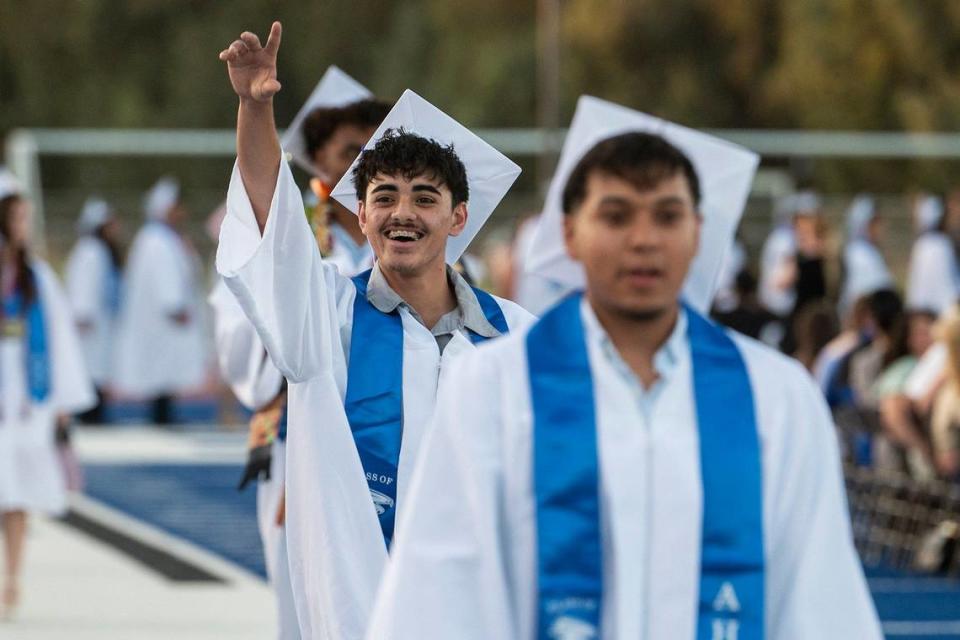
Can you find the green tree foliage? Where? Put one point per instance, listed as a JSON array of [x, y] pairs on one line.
[[825, 64]]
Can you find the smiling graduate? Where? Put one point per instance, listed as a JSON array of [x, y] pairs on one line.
[[363, 357]]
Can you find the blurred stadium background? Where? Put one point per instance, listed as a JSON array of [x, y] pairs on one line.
[[846, 96]]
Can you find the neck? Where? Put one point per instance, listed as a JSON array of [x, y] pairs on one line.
[[637, 339], [428, 293], [349, 223]]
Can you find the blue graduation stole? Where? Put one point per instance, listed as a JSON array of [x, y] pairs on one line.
[[374, 399], [111, 294], [566, 480], [37, 360]]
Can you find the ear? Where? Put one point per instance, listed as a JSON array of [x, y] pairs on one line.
[[460, 216], [698, 230], [569, 234], [319, 162], [362, 216]]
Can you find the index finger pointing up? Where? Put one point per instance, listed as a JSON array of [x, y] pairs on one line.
[[273, 41]]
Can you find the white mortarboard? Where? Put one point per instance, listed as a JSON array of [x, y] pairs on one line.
[[929, 213], [9, 185], [161, 198], [335, 89], [725, 171], [489, 173], [806, 203], [862, 211], [95, 212]]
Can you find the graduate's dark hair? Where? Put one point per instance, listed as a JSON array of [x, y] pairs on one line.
[[399, 153], [23, 279], [886, 309], [321, 123], [641, 159]]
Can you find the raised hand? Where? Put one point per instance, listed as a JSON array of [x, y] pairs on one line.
[[252, 67]]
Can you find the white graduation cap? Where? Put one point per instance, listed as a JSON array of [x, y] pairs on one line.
[[9, 185], [929, 213], [861, 213], [489, 173], [335, 89], [161, 198], [725, 171], [95, 212]]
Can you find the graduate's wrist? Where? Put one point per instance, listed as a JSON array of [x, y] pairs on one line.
[[260, 108]]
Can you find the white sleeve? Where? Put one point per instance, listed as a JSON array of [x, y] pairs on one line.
[[243, 361], [815, 583], [446, 577], [928, 372], [280, 280], [932, 280], [85, 280], [72, 388]]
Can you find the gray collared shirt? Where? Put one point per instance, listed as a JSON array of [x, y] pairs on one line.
[[468, 314]]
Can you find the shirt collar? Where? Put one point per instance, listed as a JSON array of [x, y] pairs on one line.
[[666, 358], [471, 315]]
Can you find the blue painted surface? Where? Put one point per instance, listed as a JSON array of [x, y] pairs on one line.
[[199, 503], [185, 410], [906, 598]]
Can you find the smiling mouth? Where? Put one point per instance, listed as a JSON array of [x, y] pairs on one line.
[[404, 235]]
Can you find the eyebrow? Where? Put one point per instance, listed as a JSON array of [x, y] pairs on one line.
[[666, 200], [385, 187], [670, 200], [614, 200], [426, 187]]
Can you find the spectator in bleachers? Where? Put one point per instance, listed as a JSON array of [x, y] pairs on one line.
[[814, 327], [902, 426], [778, 260], [866, 364], [749, 317], [945, 419], [854, 335]]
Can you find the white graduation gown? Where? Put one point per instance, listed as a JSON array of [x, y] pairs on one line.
[[88, 278], [779, 250], [31, 477], [865, 272], [531, 290], [933, 278], [255, 382], [154, 354], [302, 309], [464, 563]]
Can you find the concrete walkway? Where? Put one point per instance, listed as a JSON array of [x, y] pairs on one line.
[[78, 587]]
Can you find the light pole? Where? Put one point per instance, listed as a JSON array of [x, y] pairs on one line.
[[548, 85]]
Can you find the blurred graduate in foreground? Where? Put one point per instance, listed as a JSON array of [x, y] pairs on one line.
[[625, 468]]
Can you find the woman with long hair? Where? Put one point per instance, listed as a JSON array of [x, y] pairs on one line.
[[42, 380]]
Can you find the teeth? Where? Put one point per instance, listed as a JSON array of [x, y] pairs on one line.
[[402, 234]]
